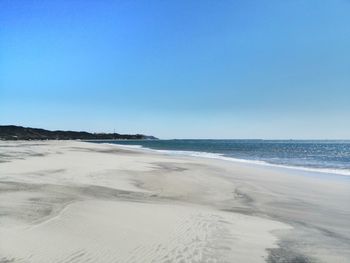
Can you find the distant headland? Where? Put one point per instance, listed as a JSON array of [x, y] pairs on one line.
[[12, 132]]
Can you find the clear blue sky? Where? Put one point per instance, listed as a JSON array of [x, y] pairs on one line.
[[178, 69]]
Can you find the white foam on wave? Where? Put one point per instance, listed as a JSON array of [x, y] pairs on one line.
[[232, 159], [127, 146]]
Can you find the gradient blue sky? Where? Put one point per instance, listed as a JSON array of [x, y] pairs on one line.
[[178, 69]]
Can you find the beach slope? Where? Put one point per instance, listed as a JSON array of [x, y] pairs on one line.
[[72, 201]]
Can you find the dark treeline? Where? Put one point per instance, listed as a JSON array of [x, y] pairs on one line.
[[12, 132]]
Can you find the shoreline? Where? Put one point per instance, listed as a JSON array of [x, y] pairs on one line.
[[74, 187], [218, 156]]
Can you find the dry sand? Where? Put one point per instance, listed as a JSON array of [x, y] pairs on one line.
[[71, 201]]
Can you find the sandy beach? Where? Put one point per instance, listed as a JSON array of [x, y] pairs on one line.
[[71, 201]]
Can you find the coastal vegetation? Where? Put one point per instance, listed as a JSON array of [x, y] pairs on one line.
[[12, 132]]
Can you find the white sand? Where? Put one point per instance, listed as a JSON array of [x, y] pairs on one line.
[[114, 231], [84, 202]]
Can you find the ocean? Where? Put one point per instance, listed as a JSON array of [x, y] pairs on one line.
[[319, 156]]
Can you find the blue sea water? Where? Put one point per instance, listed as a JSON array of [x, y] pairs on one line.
[[321, 156]]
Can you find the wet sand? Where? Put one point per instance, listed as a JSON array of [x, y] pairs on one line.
[[69, 201]]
